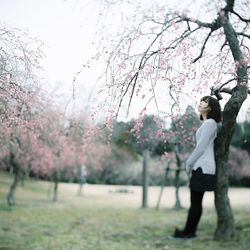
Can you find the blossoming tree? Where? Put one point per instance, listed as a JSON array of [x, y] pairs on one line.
[[33, 134], [19, 59], [165, 54]]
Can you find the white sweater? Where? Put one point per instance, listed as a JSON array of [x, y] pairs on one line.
[[203, 154]]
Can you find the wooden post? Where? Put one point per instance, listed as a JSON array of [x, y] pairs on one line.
[[145, 179]]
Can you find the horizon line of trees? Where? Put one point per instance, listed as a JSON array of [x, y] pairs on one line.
[[127, 153]]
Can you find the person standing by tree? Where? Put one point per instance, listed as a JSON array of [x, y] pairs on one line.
[[201, 164]]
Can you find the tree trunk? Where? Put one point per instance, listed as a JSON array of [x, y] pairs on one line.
[[80, 193], [16, 172], [225, 224], [145, 179], [177, 205], [82, 179], [56, 182], [50, 186], [11, 194], [55, 190], [25, 174], [162, 186], [225, 219]]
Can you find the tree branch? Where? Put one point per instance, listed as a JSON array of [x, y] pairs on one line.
[[134, 78], [227, 90], [215, 91], [177, 41], [233, 79], [146, 56], [230, 5], [240, 17], [243, 34], [203, 47], [216, 24], [198, 22]]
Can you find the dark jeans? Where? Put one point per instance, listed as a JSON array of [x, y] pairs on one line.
[[195, 212]]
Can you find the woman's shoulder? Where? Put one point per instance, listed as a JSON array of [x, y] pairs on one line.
[[210, 123]]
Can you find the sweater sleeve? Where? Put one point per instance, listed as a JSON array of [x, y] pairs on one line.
[[207, 136]]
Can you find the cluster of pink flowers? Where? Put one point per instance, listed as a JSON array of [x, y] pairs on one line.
[[37, 136]]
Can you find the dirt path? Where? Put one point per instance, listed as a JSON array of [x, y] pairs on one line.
[[130, 196]]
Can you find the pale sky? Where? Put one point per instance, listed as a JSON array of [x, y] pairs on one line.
[[68, 29]]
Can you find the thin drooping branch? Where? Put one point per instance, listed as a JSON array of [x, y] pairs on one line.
[[172, 97], [131, 96], [146, 57], [124, 94], [142, 63], [203, 47], [129, 85]]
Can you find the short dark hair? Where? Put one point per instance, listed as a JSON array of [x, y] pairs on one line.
[[215, 112]]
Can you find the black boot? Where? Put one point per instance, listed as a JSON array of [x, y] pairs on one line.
[[182, 234]]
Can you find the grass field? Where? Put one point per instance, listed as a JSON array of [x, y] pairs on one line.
[[106, 219]]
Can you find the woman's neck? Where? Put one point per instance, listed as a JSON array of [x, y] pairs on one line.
[[204, 116]]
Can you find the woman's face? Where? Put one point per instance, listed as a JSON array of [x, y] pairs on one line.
[[203, 106]]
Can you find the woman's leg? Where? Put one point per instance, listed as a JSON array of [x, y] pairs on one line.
[[195, 212]]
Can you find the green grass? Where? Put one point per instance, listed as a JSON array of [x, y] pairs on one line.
[[92, 222]]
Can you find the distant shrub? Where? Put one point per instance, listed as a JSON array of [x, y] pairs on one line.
[[239, 164]]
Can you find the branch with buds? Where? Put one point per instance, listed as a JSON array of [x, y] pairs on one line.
[[218, 90]]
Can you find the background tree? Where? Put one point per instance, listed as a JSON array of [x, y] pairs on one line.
[[239, 167], [181, 135], [19, 62], [147, 130], [34, 137], [241, 136]]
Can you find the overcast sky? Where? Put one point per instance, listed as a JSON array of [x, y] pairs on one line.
[[68, 29], [63, 26]]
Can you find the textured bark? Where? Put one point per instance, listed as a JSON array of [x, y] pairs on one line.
[[225, 224], [225, 219]]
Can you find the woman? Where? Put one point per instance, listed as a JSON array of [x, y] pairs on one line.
[[202, 164]]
